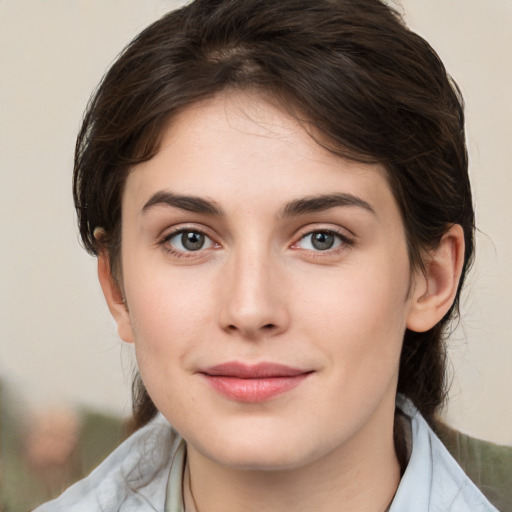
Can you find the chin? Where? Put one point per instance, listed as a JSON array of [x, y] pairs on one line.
[[263, 452]]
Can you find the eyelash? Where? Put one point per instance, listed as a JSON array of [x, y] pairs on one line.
[[165, 242], [344, 242]]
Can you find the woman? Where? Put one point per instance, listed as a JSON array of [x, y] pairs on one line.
[[277, 193]]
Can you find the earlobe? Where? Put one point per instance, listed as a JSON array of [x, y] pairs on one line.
[[114, 297], [435, 289]]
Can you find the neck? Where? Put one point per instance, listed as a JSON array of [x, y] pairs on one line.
[[361, 475]]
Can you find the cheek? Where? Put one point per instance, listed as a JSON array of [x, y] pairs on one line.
[[165, 317], [168, 321], [165, 300], [171, 316], [359, 314]]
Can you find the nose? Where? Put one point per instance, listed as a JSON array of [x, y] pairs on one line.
[[253, 299]]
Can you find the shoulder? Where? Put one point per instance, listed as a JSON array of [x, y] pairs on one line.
[[132, 477], [433, 480]]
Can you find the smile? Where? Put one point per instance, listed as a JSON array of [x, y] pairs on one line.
[[253, 383]]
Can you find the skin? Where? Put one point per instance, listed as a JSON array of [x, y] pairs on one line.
[[260, 291]]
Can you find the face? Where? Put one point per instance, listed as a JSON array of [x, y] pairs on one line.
[[267, 284]]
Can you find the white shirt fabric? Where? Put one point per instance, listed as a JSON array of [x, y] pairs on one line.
[[145, 474]]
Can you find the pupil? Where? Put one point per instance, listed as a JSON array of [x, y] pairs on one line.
[[192, 241], [322, 241]]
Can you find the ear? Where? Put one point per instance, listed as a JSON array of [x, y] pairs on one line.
[[115, 299], [435, 290]]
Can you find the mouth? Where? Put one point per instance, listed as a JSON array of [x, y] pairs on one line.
[[253, 383]]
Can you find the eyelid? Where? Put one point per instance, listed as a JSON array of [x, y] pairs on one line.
[[164, 240], [207, 240], [171, 231], [346, 240]]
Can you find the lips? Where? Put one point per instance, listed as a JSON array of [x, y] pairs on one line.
[[253, 383]]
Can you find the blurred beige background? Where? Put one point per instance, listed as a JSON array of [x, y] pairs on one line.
[[58, 345]]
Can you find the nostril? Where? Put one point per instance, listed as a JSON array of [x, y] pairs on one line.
[[266, 327]]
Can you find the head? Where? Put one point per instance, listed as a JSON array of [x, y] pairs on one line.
[[360, 84]]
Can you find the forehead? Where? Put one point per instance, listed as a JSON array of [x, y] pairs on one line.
[[239, 146]]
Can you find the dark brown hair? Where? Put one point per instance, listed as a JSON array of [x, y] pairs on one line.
[[348, 69]]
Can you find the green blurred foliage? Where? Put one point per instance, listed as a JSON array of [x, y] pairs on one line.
[[23, 487]]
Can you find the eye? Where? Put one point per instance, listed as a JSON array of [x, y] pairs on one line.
[[320, 241], [189, 241]]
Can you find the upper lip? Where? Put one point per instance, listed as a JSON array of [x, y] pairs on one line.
[[252, 371]]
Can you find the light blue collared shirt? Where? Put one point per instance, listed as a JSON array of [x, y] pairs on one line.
[[433, 480], [144, 474]]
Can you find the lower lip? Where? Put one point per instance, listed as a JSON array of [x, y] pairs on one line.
[[254, 390]]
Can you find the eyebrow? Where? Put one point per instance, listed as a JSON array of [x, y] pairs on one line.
[[323, 202], [302, 206], [188, 203]]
